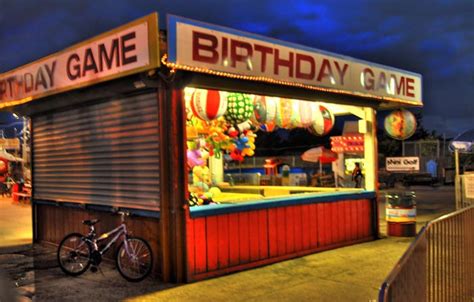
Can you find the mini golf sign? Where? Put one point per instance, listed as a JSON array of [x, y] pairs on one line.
[[402, 164]]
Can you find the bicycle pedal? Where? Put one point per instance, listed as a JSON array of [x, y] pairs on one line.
[[94, 269]]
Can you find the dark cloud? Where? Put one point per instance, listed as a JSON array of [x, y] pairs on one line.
[[434, 38]]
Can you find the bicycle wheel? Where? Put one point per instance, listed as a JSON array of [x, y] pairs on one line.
[[134, 259], [74, 254]]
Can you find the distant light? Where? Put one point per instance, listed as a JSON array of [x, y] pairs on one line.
[[15, 116]]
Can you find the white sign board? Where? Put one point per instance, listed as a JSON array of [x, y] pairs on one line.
[[402, 164], [468, 184], [220, 49], [128, 49]]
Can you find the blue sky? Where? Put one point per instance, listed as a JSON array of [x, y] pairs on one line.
[[434, 38]]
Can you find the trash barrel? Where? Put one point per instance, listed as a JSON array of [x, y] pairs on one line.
[[400, 210]]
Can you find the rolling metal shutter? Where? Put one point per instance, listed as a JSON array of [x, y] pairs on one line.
[[106, 153]]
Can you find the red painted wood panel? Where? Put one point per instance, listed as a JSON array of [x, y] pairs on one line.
[[254, 235], [290, 229], [244, 238], [368, 217], [313, 225], [352, 206], [298, 222], [263, 232], [281, 231], [223, 244], [200, 244], [305, 226], [190, 245], [273, 232], [234, 239], [212, 242], [363, 211]]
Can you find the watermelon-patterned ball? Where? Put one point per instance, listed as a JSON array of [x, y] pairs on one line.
[[208, 105], [323, 120], [400, 124], [239, 108]]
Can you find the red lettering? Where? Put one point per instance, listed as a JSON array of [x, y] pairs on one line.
[[342, 73], [282, 62], [410, 87], [237, 56], [205, 43], [368, 82], [400, 86], [264, 50], [382, 83], [325, 70], [312, 66]]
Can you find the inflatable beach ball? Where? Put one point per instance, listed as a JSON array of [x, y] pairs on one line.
[[239, 108], [208, 104], [259, 110], [400, 124], [271, 111], [323, 120], [283, 113], [306, 114]]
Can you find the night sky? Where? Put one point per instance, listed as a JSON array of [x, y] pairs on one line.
[[434, 38]]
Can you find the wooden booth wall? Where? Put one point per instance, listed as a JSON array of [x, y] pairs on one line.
[[225, 243], [53, 222], [93, 157]]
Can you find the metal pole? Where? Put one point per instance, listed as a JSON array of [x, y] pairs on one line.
[[457, 179]]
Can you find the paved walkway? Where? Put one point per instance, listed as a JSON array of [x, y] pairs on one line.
[[352, 273], [15, 225]]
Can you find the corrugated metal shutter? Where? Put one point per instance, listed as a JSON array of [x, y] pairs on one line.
[[106, 153]]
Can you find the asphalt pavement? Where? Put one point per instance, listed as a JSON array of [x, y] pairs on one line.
[[352, 273]]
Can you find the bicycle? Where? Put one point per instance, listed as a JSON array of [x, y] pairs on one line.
[[76, 252]]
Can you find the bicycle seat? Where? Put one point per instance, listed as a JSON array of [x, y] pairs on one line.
[[90, 222]]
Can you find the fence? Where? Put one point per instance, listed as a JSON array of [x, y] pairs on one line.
[[439, 264]]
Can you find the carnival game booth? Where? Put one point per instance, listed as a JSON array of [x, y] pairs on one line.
[[226, 80], [156, 140]]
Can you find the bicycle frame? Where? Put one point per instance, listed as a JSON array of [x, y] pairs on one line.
[[119, 231]]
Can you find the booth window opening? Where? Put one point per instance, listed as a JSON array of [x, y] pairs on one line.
[[245, 147]]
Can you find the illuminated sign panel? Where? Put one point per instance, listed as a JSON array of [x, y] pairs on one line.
[[394, 164], [123, 51], [221, 49]]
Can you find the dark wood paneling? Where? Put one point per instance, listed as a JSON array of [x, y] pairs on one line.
[[223, 243], [55, 222]]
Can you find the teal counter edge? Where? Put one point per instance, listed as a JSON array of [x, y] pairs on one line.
[[219, 209]]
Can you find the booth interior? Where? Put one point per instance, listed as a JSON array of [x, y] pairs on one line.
[[230, 134]]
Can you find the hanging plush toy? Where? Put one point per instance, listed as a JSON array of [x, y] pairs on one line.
[[239, 108], [194, 155], [217, 140]]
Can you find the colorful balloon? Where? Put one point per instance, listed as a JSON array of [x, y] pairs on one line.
[[239, 108], [259, 110], [323, 120], [208, 104], [400, 124], [306, 114]]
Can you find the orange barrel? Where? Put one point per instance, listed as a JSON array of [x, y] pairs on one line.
[[400, 212]]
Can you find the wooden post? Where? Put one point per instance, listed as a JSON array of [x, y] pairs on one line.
[[173, 181]]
